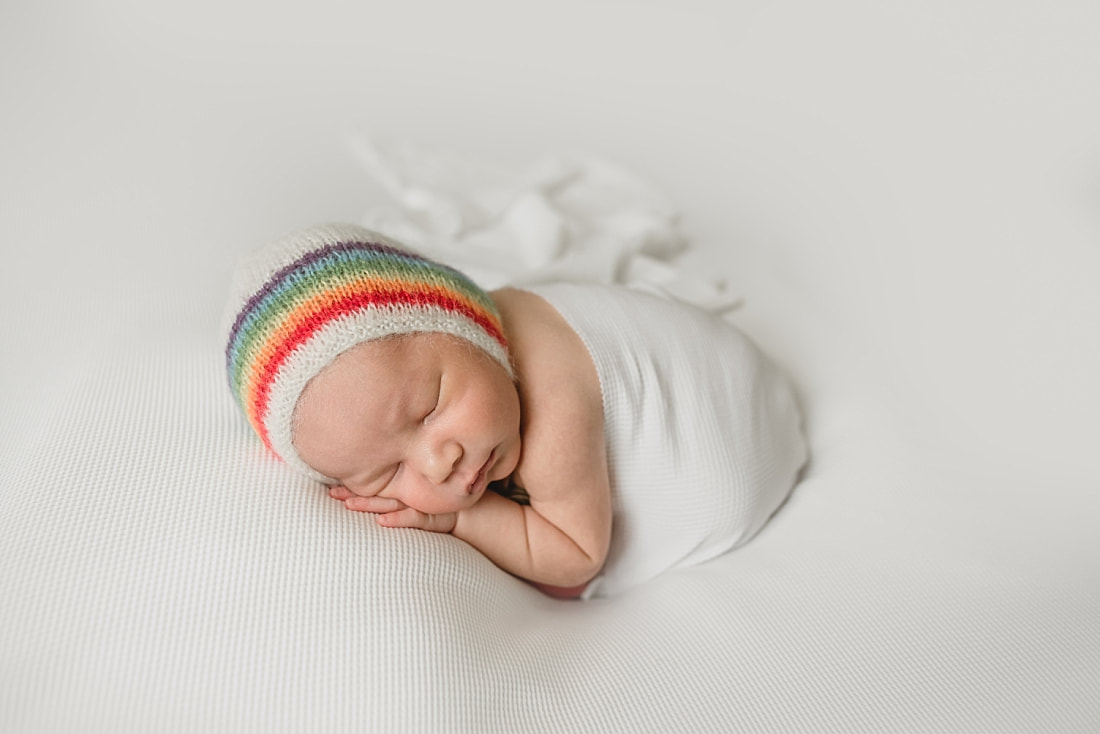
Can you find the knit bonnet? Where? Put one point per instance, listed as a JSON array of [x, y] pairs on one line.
[[301, 301]]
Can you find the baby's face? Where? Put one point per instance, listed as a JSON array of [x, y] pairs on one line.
[[426, 419]]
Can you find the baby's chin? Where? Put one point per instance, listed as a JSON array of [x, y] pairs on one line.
[[456, 504], [474, 496], [506, 465]]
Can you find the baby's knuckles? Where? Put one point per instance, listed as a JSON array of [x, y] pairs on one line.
[[410, 518]]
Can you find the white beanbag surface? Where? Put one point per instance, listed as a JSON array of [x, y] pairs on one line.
[[903, 197]]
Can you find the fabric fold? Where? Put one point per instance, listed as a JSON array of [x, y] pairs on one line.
[[565, 217]]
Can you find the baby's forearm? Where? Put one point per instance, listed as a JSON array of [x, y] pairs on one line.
[[523, 542]]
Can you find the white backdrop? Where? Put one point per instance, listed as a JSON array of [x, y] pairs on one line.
[[906, 195], [938, 161]]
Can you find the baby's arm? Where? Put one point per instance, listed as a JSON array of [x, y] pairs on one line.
[[515, 537], [523, 542], [561, 539]]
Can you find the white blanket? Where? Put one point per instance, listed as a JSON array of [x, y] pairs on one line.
[[904, 196]]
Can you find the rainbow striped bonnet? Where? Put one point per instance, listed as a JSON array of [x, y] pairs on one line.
[[303, 300]]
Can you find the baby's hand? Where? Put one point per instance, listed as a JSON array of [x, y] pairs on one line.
[[394, 514]]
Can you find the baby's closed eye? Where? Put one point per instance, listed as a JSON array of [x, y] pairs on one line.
[[435, 402]]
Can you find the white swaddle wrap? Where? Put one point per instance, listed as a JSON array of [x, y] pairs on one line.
[[702, 431], [703, 434]]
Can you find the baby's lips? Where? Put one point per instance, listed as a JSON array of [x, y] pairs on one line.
[[482, 474]]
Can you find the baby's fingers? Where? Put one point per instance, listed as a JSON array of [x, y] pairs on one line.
[[373, 504], [410, 518], [339, 493], [364, 504]]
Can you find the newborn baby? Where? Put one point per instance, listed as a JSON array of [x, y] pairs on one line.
[[582, 437]]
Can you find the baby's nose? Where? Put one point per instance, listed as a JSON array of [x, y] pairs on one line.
[[442, 460]]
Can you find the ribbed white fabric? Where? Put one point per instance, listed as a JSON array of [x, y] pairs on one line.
[[905, 194], [703, 433], [161, 572]]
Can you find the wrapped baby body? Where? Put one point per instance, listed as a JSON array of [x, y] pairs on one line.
[[703, 433]]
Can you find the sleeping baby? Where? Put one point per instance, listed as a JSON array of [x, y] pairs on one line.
[[583, 437]]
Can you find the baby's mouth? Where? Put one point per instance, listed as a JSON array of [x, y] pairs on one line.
[[480, 479]]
